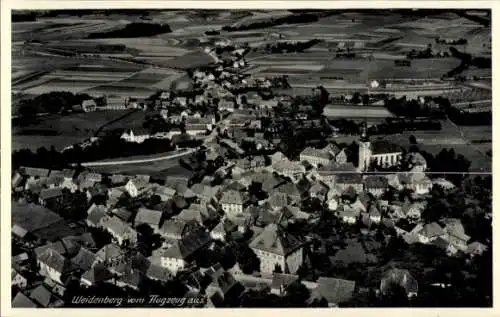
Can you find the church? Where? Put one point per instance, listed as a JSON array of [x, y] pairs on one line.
[[382, 152]]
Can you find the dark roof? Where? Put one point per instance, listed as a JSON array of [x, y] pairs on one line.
[[49, 193], [22, 301], [35, 172], [232, 197], [148, 216], [32, 217], [275, 240], [185, 247], [84, 259], [42, 296], [97, 273], [334, 290], [55, 260], [349, 178], [289, 189], [64, 247], [376, 181], [383, 146], [95, 216], [158, 272]]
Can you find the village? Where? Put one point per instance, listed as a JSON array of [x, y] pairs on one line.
[[275, 214]]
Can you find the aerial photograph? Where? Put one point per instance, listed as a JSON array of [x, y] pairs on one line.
[[174, 158]]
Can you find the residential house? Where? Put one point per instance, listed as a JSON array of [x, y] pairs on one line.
[[22, 301], [334, 290], [278, 200], [206, 193], [223, 289], [158, 273], [70, 185], [349, 214], [121, 231], [53, 287], [376, 185], [232, 202], [413, 211], [222, 229], [287, 168], [17, 279], [123, 214], [274, 247], [152, 218], [179, 255], [95, 214], [251, 163], [54, 265], [139, 136], [430, 232], [110, 256], [319, 190], [476, 248], [136, 186], [83, 259], [34, 173], [346, 180], [456, 234], [45, 298], [198, 213], [333, 198], [89, 105], [416, 162], [416, 181], [374, 214], [401, 278], [165, 193], [176, 229], [50, 195], [316, 156], [444, 184], [98, 273]]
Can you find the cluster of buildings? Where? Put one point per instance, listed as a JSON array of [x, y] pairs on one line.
[[221, 208]]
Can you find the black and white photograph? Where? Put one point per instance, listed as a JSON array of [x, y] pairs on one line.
[[251, 158]]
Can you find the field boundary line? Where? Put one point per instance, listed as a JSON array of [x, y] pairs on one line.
[[139, 161]]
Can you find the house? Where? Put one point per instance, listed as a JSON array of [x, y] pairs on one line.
[[50, 195], [98, 273], [345, 180], [333, 198], [376, 185], [136, 186], [45, 298], [278, 200], [139, 136], [416, 162], [206, 193], [178, 256], [223, 289], [17, 279], [121, 231], [315, 156], [334, 290], [443, 183], [276, 248], [430, 232], [413, 211], [476, 248], [95, 214], [222, 229], [158, 273], [83, 259], [232, 202], [152, 218], [22, 301], [319, 190], [70, 185], [176, 229], [291, 190], [65, 247], [349, 214], [401, 278], [374, 214], [53, 287], [251, 163], [456, 234], [109, 255], [34, 173], [131, 278], [196, 212], [288, 168], [416, 181], [54, 265], [281, 281], [89, 105]]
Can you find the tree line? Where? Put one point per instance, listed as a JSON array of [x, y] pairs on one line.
[[134, 29]]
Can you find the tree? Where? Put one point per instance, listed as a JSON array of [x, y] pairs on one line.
[[412, 140], [247, 259], [296, 295], [356, 98]]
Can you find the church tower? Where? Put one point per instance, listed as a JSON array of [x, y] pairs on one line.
[[365, 152]]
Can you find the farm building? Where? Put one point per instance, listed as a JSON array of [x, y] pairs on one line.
[[89, 105]]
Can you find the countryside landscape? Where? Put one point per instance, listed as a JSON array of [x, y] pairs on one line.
[[252, 158]]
